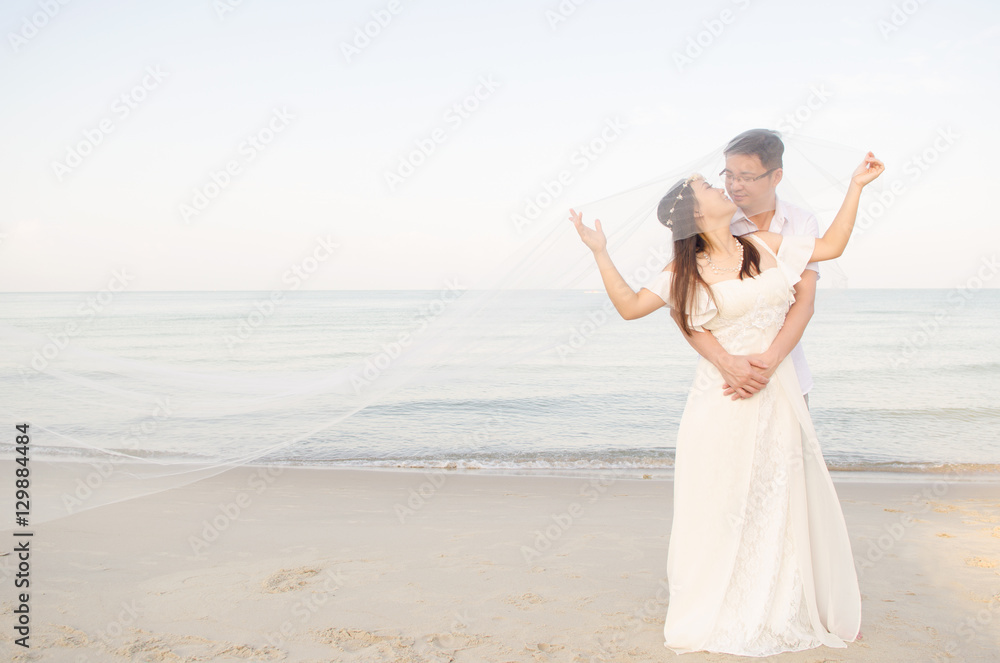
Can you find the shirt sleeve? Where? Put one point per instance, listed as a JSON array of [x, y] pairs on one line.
[[794, 254], [702, 308]]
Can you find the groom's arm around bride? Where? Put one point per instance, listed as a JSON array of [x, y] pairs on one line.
[[753, 171]]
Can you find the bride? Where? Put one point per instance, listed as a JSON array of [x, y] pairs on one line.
[[759, 561]]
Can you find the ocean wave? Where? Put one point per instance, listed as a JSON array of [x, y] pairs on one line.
[[563, 462]]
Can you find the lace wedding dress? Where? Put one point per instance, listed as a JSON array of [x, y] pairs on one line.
[[759, 561]]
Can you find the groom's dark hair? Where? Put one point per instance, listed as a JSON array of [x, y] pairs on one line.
[[763, 143]]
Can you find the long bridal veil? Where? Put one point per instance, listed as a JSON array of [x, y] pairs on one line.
[[141, 426]]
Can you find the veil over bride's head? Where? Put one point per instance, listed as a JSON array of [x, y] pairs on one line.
[[753, 169], [756, 172], [677, 209]]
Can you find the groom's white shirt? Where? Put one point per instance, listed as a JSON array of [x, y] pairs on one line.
[[788, 219]]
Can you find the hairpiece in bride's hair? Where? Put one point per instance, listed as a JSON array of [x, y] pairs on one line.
[[668, 222]]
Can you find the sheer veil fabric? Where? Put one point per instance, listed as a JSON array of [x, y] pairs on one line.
[[135, 417]]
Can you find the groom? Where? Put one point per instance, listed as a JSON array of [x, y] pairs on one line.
[[753, 171]]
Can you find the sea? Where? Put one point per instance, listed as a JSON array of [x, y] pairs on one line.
[[538, 381]]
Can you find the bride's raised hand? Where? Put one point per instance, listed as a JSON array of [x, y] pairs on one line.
[[593, 237], [869, 169]]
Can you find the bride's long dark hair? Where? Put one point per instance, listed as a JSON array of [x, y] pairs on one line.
[[676, 211]]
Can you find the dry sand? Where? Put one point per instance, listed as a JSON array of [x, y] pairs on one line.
[[297, 564]]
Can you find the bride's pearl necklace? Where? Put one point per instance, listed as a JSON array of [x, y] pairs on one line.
[[739, 263]]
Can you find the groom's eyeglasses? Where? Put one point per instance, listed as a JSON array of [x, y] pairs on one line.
[[743, 179]]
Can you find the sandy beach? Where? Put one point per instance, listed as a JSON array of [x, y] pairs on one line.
[[300, 564]]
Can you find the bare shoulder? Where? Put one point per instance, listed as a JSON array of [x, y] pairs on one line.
[[669, 267]]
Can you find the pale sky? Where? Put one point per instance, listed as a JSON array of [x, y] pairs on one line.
[[116, 115]]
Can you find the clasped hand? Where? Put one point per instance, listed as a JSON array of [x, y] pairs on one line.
[[745, 375]]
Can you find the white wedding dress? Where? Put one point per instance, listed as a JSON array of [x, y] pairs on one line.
[[759, 561]]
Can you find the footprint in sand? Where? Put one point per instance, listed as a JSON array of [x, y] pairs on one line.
[[286, 580], [526, 600], [70, 637], [139, 644], [454, 641], [355, 639], [981, 562]]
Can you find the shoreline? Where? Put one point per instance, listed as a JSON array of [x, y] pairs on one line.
[[839, 476], [989, 475]]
